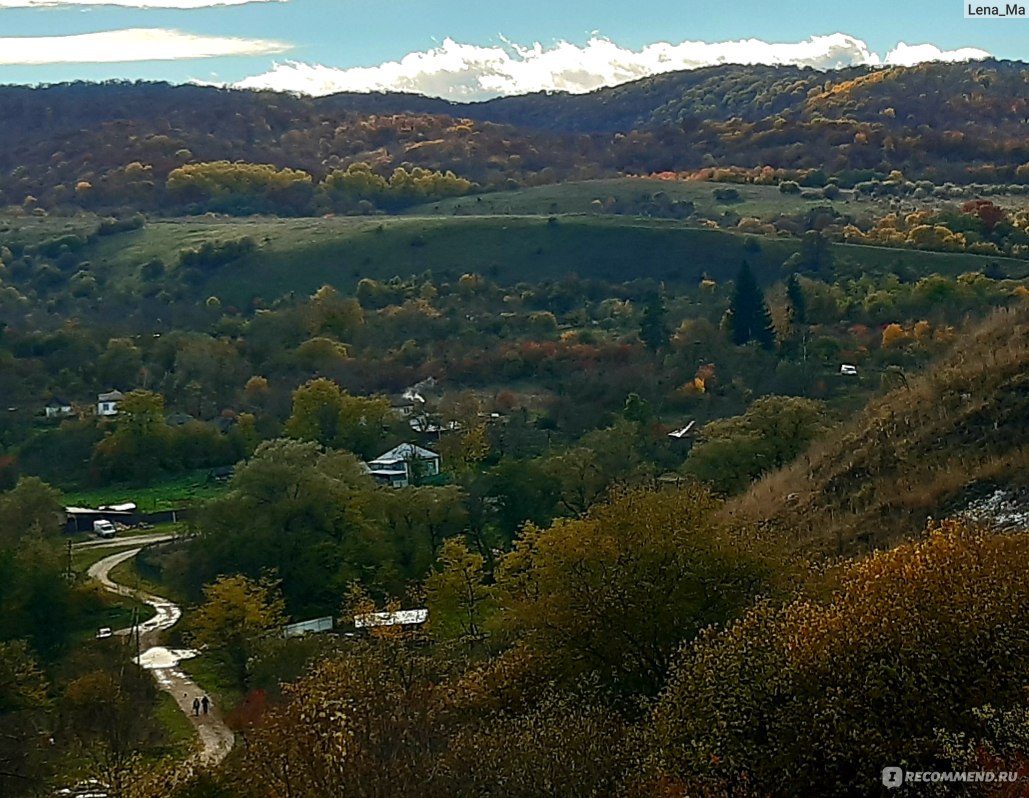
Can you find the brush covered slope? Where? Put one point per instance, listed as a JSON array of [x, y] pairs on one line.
[[927, 448]]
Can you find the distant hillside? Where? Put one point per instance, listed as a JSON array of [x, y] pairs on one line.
[[105, 146], [928, 448]]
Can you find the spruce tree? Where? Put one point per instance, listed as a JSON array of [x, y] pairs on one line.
[[653, 331], [798, 304], [749, 317]]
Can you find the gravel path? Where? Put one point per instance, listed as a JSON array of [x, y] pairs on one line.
[[215, 737]]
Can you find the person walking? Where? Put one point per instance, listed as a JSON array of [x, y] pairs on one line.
[[196, 706], [205, 702]]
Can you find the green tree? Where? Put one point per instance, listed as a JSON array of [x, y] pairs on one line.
[[614, 594], [31, 509], [311, 517], [653, 328], [326, 414], [749, 317], [236, 616], [137, 449], [420, 519], [797, 301], [733, 452], [459, 599]]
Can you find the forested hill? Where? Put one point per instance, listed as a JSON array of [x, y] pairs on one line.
[[965, 123]]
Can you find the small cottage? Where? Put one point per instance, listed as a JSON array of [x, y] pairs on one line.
[[58, 408], [107, 403]]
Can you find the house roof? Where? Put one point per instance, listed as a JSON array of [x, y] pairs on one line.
[[403, 452], [57, 401], [684, 431], [110, 396], [401, 618]]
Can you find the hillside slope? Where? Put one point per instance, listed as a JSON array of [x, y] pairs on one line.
[[109, 146], [925, 449]]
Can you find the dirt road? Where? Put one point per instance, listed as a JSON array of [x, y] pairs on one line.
[[215, 737]]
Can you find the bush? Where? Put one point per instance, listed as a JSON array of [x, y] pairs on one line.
[[813, 698]]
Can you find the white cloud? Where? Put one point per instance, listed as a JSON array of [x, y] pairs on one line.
[[129, 3], [471, 72], [132, 44], [911, 54]]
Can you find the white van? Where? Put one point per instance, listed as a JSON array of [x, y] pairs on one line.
[[104, 529]]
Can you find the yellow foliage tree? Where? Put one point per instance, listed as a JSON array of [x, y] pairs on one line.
[[813, 698], [893, 334]]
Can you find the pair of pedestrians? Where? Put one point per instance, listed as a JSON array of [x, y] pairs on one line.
[[199, 703]]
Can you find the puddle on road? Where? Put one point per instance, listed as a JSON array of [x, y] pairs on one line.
[[161, 658]]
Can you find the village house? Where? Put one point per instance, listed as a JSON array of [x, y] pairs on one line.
[[403, 464], [107, 403], [58, 408]]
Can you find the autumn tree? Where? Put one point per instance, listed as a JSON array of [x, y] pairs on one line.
[[564, 745], [309, 516], [237, 615], [136, 449], [25, 706], [749, 317], [732, 452], [458, 597], [326, 414], [372, 723], [615, 593], [813, 697], [109, 711]]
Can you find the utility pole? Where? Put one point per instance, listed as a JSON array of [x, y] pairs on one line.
[[69, 560]]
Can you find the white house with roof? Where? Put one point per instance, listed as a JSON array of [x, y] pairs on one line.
[[58, 408], [107, 403], [401, 464]]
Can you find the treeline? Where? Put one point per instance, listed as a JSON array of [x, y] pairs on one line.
[[115, 145]]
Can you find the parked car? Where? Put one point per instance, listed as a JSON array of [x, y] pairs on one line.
[[103, 528], [104, 631]]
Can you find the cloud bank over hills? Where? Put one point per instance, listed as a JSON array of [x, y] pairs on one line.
[[468, 72], [131, 44]]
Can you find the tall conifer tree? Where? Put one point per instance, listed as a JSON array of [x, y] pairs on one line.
[[750, 319]]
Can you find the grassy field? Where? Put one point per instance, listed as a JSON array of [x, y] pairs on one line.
[[180, 734], [128, 574], [526, 235], [181, 491], [213, 680], [579, 197]]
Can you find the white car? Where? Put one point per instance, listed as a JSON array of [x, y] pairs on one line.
[[848, 371], [103, 632]]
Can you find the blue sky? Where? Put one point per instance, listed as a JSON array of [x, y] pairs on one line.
[[465, 49]]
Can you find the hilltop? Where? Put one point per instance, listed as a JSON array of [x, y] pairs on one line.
[[112, 145]]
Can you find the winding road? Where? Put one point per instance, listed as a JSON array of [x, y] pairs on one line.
[[216, 738]]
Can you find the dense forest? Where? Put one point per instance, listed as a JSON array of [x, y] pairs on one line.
[[664, 441], [119, 145]]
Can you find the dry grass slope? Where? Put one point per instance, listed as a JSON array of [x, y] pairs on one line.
[[920, 451]]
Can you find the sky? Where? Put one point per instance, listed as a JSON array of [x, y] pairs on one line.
[[472, 49]]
